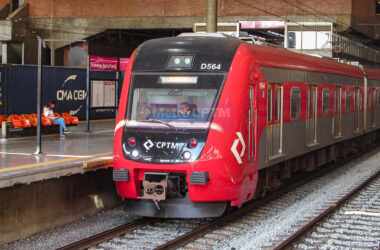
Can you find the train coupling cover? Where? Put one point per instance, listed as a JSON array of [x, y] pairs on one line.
[[155, 187]]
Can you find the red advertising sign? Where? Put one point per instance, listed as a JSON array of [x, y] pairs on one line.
[[262, 24], [102, 63], [123, 63]]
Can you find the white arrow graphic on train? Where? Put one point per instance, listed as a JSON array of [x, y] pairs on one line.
[[119, 125], [235, 145]]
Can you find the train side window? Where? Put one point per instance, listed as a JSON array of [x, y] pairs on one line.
[[295, 104], [269, 108], [325, 100], [348, 101], [276, 104], [373, 98], [369, 97]]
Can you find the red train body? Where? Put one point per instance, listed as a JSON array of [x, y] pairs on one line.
[[252, 113]]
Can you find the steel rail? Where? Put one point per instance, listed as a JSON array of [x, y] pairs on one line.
[[107, 235], [200, 231], [250, 207], [217, 223], [331, 209]]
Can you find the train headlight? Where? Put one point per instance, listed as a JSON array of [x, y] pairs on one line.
[[186, 155], [179, 62], [188, 61], [135, 153], [192, 143], [131, 141]]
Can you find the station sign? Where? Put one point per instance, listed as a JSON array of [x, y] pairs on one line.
[[123, 63], [109, 64], [262, 24]]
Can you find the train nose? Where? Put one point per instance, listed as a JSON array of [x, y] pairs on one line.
[[149, 147]]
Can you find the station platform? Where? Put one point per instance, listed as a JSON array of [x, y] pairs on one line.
[[78, 152]]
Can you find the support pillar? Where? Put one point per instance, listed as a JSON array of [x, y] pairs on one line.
[[212, 15], [4, 53]]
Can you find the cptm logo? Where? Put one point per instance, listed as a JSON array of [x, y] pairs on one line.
[[149, 144], [70, 95]]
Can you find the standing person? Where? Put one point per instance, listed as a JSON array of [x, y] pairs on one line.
[[49, 113]]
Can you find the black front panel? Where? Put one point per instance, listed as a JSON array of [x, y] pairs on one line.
[[207, 54], [162, 146]]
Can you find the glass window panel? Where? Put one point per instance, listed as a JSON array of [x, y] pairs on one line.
[[295, 105], [172, 104], [325, 100]]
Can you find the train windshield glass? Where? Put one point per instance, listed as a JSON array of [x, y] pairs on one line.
[[171, 104]]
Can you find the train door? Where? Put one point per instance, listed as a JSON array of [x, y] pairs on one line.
[[358, 110], [337, 121], [371, 106], [251, 125], [275, 120], [376, 106], [311, 123]]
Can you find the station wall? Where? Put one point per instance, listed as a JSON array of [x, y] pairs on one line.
[[171, 8], [3, 3], [88, 17], [365, 17], [65, 86]]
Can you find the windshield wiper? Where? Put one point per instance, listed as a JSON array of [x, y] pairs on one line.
[[160, 122]]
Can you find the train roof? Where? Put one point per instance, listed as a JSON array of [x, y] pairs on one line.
[[223, 49], [198, 43], [283, 58]]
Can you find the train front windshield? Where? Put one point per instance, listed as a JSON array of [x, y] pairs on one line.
[[171, 104], [174, 101]]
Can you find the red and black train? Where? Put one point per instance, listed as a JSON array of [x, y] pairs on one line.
[[208, 122]]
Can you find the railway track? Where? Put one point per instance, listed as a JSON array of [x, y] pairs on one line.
[[143, 233], [307, 227], [133, 233], [224, 221], [214, 234], [205, 234], [354, 222], [107, 235]]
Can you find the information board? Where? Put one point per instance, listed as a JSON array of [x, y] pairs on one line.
[[103, 93]]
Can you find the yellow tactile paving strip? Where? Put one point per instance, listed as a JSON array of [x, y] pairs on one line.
[[103, 157]]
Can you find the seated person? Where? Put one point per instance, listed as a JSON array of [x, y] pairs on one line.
[[49, 113], [185, 111]]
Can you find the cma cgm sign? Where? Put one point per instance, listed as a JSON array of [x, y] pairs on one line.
[[71, 95], [67, 94]]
